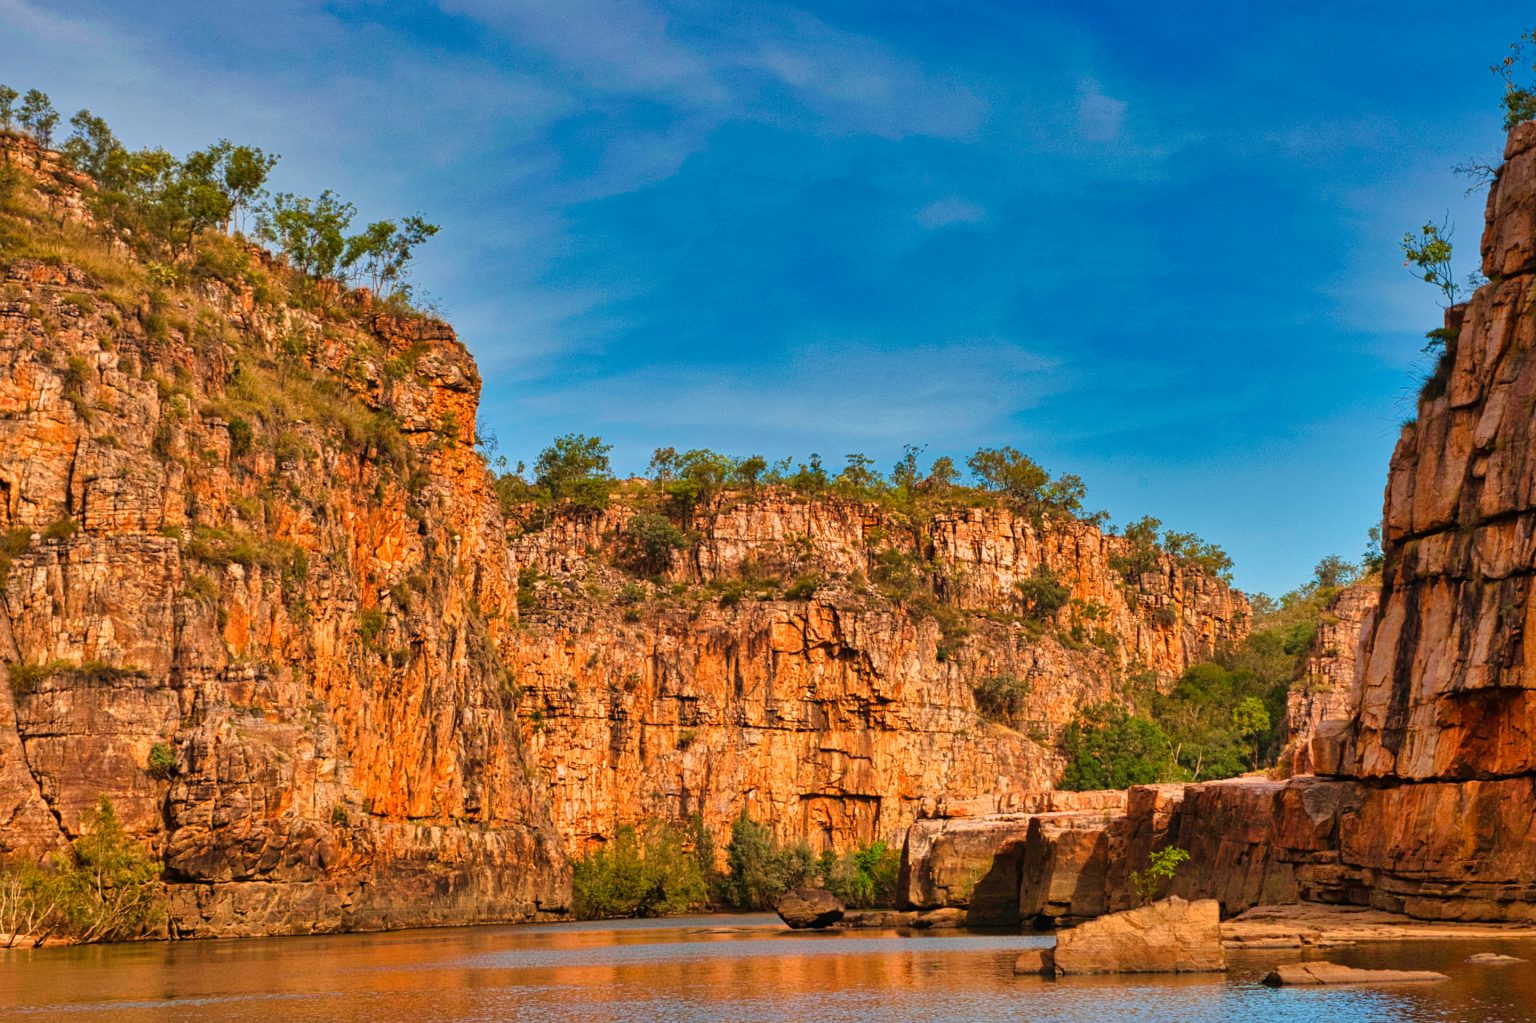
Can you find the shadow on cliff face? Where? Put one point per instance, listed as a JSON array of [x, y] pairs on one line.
[[995, 899]]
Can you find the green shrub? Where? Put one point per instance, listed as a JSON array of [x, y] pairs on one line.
[[647, 543], [12, 544], [24, 678], [240, 437], [1107, 748], [1149, 884], [759, 870], [370, 623], [105, 888], [1043, 594], [200, 588], [1001, 697], [1140, 552], [162, 760], [863, 878], [527, 589], [76, 374], [61, 529], [654, 873], [804, 587]]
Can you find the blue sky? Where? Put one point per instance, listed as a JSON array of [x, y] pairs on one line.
[[1152, 244]]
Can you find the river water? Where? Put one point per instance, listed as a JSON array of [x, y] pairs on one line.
[[709, 970]]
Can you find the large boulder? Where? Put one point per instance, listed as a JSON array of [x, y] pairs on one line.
[[1171, 936], [804, 908]]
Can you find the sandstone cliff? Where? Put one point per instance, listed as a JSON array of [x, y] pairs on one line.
[[1424, 782], [843, 715], [1325, 689], [255, 590]]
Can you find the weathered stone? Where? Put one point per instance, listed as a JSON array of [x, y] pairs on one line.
[[1169, 936], [1035, 962], [871, 918], [1323, 692], [809, 908], [939, 919], [977, 862], [842, 718], [1065, 867], [1312, 974], [181, 617], [1493, 959]]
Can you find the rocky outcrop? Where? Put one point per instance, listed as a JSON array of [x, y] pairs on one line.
[[977, 862], [815, 662], [1169, 936], [1324, 692], [254, 589], [1424, 774]]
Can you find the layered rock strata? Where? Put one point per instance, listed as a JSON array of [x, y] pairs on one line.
[[1421, 794], [978, 862], [843, 715], [255, 591], [1326, 687], [257, 588]]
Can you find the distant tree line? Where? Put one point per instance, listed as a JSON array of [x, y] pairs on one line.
[[575, 472], [160, 205]]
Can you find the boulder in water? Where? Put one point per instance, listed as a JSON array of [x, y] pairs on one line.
[[804, 908], [1170, 936]]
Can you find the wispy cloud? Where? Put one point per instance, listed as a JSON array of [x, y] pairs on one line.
[[1099, 117], [947, 212], [938, 392]]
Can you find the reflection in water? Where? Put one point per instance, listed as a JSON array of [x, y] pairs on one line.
[[709, 970]]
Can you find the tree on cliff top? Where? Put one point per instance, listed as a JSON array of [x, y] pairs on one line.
[[575, 468], [37, 117], [8, 98], [1519, 100], [1012, 474]]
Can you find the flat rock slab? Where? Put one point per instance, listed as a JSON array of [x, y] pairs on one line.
[[1314, 974], [1312, 925], [1493, 959]]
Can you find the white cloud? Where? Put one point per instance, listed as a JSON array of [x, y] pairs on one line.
[[1099, 117], [947, 212]]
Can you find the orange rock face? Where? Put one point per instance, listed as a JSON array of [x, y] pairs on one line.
[[1325, 690], [277, 645], [1448, 684], [258, 591], [841, 717]]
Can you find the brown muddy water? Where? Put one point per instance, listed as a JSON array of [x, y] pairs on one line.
[[746, 969]]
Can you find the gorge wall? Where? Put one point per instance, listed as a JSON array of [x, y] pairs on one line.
[[841, 716], [1422, 784], [256, 592], [258, 589]]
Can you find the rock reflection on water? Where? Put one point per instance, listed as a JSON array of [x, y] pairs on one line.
[[751, 971]]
